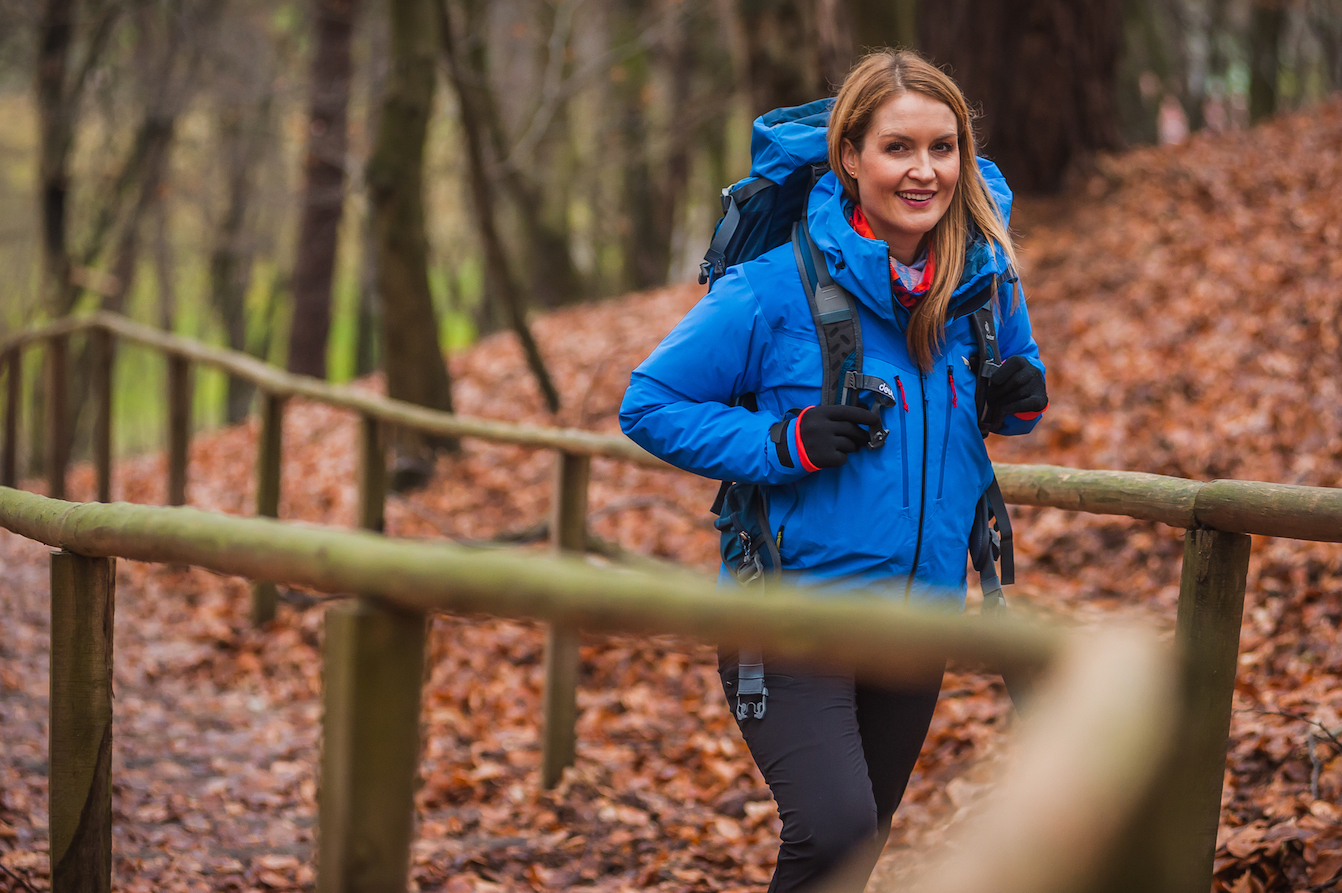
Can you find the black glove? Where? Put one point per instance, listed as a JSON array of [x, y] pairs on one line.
[[1017, 386], [829, 433]]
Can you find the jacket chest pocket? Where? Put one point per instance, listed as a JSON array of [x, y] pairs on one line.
[[958, 416]]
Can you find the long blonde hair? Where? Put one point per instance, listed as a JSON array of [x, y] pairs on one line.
[[876, 79]]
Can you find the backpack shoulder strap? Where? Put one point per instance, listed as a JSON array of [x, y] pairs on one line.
[[990, 358], [833, 309], [834, 312]]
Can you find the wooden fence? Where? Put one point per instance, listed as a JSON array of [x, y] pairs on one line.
[[1089, 763], [1218, 517]]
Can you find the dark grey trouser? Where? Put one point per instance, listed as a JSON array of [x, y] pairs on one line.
[[837, 756]]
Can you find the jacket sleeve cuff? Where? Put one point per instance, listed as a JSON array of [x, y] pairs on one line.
[[783, 447]]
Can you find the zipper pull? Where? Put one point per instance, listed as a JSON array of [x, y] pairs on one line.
[[950, 377], [899, 384]]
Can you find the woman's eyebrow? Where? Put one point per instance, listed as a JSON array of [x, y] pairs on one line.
[[890, 134]]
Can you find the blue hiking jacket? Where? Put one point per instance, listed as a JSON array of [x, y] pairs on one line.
[[903, 509]]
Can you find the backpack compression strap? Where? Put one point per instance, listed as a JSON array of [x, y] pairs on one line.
[[715, 259]]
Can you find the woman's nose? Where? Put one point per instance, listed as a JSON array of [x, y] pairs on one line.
[[922, 167]]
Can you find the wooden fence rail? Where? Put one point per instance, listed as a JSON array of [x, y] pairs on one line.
[[1111, 700], [1216, 515]]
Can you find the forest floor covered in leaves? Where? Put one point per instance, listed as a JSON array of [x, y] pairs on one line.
[[1188, 302]]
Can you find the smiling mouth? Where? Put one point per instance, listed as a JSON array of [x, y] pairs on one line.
[[916, 198]]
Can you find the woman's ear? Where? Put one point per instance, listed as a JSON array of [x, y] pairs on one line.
[[848, 156]]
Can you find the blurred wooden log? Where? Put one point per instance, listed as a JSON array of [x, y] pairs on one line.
[[265, 597], [373, 663], [568, 533], [881, 638], [83, 602], [179, 426], [1085, 760]]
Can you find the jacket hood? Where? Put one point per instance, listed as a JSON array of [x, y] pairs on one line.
[[862, 265], [785, 139]]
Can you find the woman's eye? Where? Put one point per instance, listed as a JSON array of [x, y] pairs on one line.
[[943, 147], [895, 147]]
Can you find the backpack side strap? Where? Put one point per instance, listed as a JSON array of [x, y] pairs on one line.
[[990, 360], [715, 259]]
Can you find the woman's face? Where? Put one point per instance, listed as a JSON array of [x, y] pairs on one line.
[[906, 170]]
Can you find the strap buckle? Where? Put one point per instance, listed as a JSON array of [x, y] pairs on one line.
[[745, 709], [856, 382], [714, 264], [751, 568], [751, 695]]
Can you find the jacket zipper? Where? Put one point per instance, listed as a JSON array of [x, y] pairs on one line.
[[782, 525], [922, 494], [904, 438], [946, 432]]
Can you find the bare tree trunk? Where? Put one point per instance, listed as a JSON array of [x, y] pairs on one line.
[[163, 268], [231, 255], [1325, 21], [324, 192], [369, 336], [56, 122], [1044, 72], [884, 23], [59, 90], [368, 340], [416, 371], [1265, 28], [498, 268], [782, 58], [542, 206], [834, 40]]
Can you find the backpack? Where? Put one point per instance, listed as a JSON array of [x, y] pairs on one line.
[[766, 209]]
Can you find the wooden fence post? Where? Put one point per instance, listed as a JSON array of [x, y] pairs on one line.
[[83, 600], [265, 597], [568, 532], [373, 666], [372, 475], [9, 460], [1211, 609], [1169, 845], [102, 356], [179, 426], [58, 415]]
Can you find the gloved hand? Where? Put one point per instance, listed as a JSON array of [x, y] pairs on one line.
[[827, 434], [1017, 386]]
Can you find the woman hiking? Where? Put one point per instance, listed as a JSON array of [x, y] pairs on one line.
[[877, 494]]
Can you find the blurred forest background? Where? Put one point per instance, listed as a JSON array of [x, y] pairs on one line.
[[344, 186]]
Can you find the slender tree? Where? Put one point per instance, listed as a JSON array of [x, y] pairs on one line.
[[412, 357], [1266, 23], [781, 55], [655, 139], [499, 270], [61, 78], [1044, 72], [885, 23], [323, 199]]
